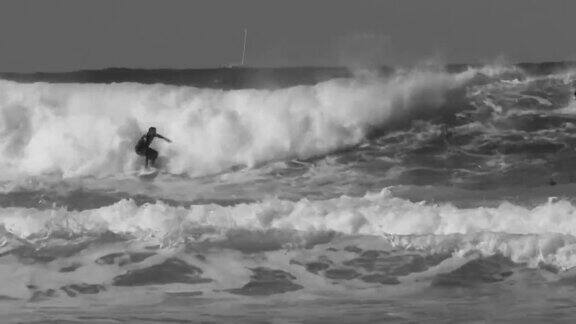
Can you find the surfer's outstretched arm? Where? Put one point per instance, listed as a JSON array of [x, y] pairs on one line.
[[164, 138]]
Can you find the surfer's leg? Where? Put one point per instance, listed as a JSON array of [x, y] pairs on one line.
[[151, 155], [144, 153]]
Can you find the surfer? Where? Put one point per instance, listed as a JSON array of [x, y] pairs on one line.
[[143, 146]]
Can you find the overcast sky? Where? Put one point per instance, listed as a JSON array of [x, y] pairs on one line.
[[63, 35]]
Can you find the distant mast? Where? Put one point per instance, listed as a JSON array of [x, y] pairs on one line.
[[244, 48], [243, 61]]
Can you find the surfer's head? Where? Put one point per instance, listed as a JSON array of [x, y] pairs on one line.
[[152, 130]]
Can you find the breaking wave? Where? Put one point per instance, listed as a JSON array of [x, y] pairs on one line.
[[90, 129], [544, 233]]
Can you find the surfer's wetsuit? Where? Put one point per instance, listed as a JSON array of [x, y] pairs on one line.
[[143, 145]]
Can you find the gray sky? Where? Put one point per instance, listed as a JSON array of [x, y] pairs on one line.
[[62, 35]]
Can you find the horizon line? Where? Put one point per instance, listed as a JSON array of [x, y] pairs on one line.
[[279, 67]]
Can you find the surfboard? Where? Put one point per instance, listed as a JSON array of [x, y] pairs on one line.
[[147, 174]]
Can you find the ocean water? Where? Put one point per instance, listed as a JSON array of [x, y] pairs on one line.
[[420, 195]]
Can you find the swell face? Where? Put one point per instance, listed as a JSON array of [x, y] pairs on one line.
[[412, 193]]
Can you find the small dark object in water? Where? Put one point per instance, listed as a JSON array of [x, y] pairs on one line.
[[172, 270], [266, 282], [552, 182]]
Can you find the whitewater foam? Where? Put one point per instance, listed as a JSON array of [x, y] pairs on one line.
[[545, 232]]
